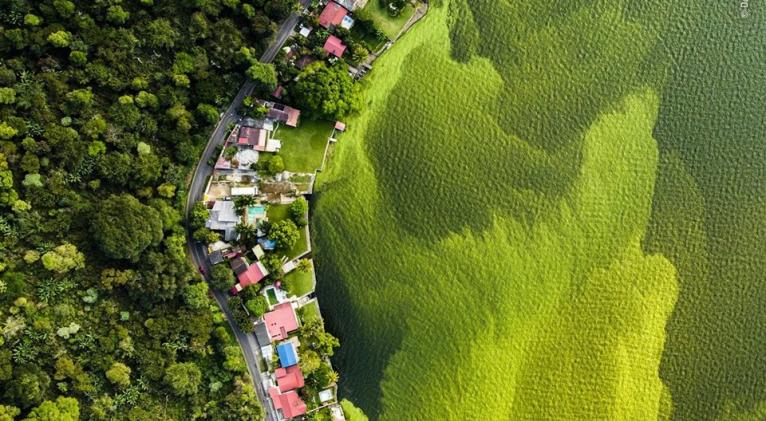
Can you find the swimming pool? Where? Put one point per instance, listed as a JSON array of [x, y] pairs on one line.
[[255, 212]]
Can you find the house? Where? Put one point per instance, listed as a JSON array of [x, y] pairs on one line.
[[288, 356], [347, 22], [215, 257], [253, 137], [334, 46], [258, 252], [278, 92], [289, 378], [305, 31], [244, 191], [224, 218], [340, 126], [252, 275], [332, 15], [264, 340], [260, 123], [289, 403], [238, 265], [352, 4], [285, 114], [281, 321]]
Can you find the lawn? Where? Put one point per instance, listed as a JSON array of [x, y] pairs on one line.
[[299, 283], [524, 217], [310, 311], [272, 296], [383, 21], [303, 146], [276, 213]]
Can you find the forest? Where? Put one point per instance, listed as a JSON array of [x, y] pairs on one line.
[[104, 108]]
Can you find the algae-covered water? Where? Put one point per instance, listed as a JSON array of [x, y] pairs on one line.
[[554, 210]]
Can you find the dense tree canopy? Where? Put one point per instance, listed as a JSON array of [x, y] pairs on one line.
[[326, 91], [285, 234], [123, 227], [104, 108]]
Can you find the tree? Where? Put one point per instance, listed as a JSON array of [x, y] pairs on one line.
[[285, 234], [7, 131], [195, 296], [111, 278], [298, 210], [7, 96], [257, 306], [160, 34], [208, 113], [63, 258], [199, 215], [276, 164], [221, 277], [326, 92], [183, 378], [28, 386], [317, 339], [263, 75], [60, 39], [8, 413], [206, 236], [8, 195], [63, 409], [123, 227], [119, 375]]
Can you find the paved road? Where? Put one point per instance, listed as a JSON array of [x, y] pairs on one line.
[[197, 251]]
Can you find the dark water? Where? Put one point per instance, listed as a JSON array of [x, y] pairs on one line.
[[709, 214]]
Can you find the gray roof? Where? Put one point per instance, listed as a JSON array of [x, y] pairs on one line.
[[215, 257], [262, 334]]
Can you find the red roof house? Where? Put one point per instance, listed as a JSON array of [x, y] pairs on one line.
[[281, 321], [340, 126], [289, 403], [332, 15], [289, 378], [254, 137], [334, 46], [253, 274]]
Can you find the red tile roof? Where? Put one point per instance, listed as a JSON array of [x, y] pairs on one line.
[[289, 378], [253, 136], [334, 46], [332, 14], [290, 403], [281, 321], [340, 126], [278, 92], [252, 275]]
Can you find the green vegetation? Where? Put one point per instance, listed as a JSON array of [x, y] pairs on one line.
[[278, 213], [389, 25], [519, 192], [104, 108], [310, 311], [299, 282], [303, 146], [326, 92]]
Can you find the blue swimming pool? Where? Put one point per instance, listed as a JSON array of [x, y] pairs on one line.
[[255, 212]]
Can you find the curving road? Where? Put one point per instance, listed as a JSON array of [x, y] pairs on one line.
[[197, 251]]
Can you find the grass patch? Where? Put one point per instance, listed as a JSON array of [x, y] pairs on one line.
[[272, 296], [277, 213], [387, 24], [299, 283], [310, 311], [303, 146]]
